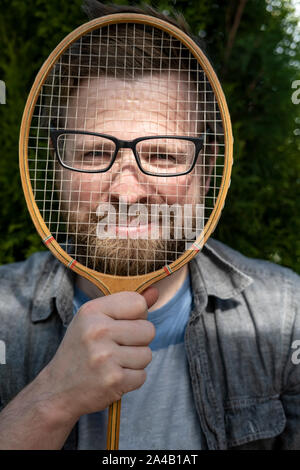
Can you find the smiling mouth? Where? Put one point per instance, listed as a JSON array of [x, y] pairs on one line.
[[146, 231]]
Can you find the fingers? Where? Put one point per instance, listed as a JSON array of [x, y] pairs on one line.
[[124, 380], [122, 306], [133, 379], [129, 333], [150, 295], [107, 344], [136, 358]]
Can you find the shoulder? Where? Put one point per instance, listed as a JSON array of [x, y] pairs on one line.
[[262, 316], [266, 296], [23, 271], [20, 283], [262, 272], [22, 276]]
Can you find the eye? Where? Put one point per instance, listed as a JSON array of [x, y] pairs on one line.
[[97, 154], [166, 157], [162, 156]]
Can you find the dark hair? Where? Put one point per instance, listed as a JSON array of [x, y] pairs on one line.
[[104, 52], [95, 9]]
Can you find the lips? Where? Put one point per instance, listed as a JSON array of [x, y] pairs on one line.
[[133, 230]]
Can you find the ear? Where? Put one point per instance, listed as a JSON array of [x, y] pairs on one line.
[[212, 151]]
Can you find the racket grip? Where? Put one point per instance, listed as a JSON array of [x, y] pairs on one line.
[[113, 426]]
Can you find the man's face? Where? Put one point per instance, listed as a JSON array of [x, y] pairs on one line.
[[128, 110]]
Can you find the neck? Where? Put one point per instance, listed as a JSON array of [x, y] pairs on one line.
[[167, 287]]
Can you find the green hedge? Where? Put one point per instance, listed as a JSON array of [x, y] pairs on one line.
[[257, 58]]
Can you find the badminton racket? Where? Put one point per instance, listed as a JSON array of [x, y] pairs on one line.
[[125, 96]]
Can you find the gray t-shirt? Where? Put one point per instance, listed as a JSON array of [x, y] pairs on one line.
[[161, 414]]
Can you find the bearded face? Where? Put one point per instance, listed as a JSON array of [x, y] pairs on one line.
[[121, 242]]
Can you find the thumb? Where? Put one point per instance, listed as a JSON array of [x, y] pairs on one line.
[[151, 295]]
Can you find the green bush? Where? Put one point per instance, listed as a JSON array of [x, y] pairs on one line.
[[254, 47]]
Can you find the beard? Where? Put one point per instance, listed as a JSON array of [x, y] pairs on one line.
[[118, 256]]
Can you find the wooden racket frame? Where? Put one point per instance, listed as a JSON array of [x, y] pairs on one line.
[[109, 284]]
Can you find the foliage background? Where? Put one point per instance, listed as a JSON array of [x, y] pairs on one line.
[[255, 48]]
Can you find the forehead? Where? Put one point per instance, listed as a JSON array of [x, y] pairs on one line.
[[164, 104]]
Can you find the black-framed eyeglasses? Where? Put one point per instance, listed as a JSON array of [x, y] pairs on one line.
[[161, 155]]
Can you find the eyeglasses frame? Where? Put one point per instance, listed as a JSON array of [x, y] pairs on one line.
[[130, 144]]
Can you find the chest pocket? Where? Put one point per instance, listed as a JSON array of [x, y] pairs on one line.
[[255, 421]]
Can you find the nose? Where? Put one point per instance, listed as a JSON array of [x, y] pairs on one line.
[[128, 182], [126, 161]]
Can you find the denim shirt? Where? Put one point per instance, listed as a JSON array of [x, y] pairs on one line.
[[240, 342]]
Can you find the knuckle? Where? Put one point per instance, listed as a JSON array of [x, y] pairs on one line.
[[95, 333], [105, 356], [115, 378], [87, 337], [85, 310], [98, 359], [103, 331]]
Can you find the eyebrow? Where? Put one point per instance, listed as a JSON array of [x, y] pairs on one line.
[[92, 141], [149, 143]]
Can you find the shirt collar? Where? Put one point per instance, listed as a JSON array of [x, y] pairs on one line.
[[217, 270], [55, 290]]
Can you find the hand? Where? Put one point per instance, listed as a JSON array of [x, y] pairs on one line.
[[104, 352]]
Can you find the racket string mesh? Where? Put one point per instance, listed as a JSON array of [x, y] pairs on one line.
[[126, 81]]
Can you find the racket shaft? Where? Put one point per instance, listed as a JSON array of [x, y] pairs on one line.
[[113, 428]]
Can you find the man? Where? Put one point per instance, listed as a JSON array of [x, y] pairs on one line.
[[221, 372]]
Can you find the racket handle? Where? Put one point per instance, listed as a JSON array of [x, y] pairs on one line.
[[113, 427]]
